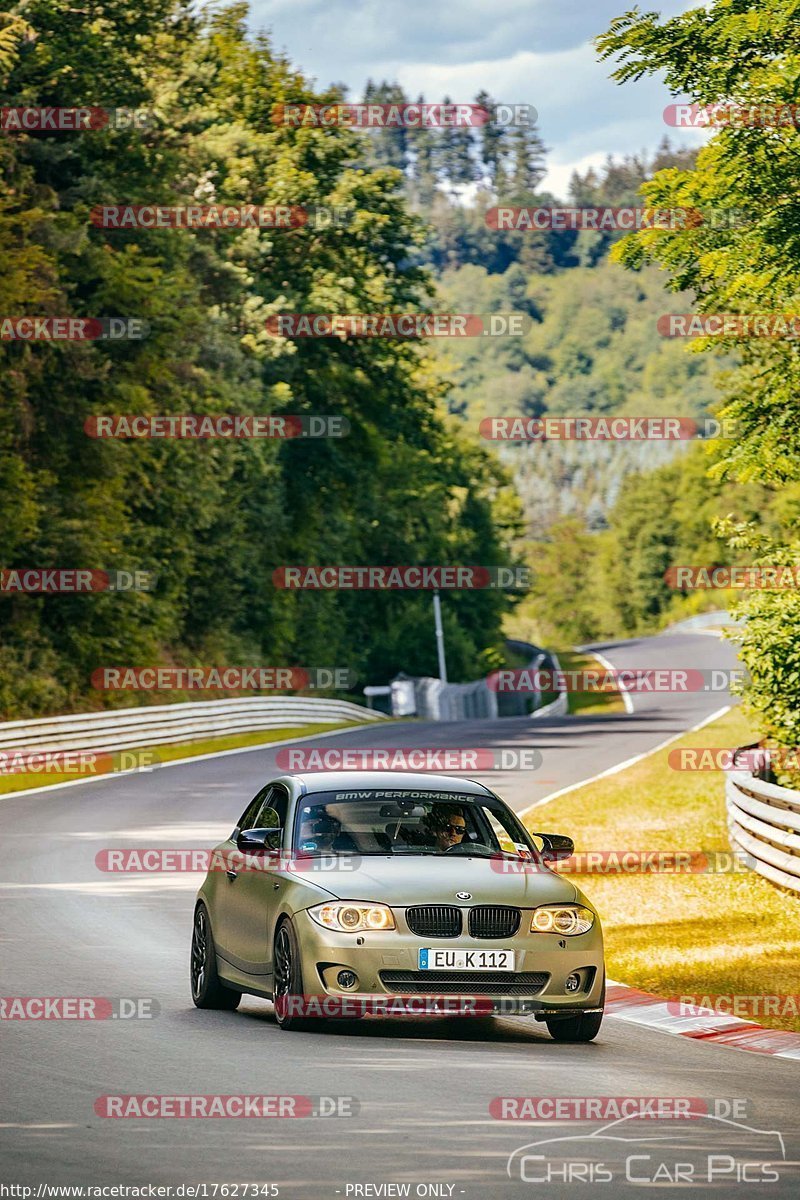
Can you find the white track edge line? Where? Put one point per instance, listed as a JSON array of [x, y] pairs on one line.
[[179, 762], [609, 666], [629, 762]]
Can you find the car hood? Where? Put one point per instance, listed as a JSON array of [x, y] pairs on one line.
[[403, 880]]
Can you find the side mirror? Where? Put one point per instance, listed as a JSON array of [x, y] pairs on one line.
[[250, 840], [556, 846]]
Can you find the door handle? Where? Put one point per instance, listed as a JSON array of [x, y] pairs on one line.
[[275, 887], [231, 874]]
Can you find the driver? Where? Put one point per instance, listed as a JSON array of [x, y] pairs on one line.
[[448, 826]]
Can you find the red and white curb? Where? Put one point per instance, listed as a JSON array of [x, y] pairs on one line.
[[642, 1008]]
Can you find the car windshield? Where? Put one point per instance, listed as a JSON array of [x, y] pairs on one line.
[[398, 821]]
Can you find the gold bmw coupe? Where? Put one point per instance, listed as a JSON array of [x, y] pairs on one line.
[[342, 893]]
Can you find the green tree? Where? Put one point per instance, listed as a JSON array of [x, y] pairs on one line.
[[746, 54], [492, 141], [212, 520]]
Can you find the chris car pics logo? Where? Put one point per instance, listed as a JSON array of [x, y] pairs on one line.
[[698, 1152]]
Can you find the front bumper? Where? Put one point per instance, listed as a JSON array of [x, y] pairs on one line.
[[383, 961]]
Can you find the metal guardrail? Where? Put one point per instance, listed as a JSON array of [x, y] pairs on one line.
[[435, 700], [764, 822], [128, 728], [717, 619]]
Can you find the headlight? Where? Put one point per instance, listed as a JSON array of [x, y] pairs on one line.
[[352, 918], [565, 919]]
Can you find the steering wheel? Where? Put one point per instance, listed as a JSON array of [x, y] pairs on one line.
[[478, 848]]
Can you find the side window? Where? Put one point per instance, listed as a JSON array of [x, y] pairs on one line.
[[501, 834], [275, 797], [247, 819]]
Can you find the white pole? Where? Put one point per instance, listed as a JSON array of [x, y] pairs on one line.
[[437, 617]]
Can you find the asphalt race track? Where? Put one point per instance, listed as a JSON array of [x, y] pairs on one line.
[[423, 1087]]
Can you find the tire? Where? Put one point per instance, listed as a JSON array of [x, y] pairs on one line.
[[575, 1029], [288, 978], [584, 1028], [208, 990]]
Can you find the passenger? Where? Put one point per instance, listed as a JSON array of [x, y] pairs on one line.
[[318, 831]]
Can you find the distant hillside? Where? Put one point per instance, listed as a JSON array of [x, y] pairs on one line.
[[593, 348]]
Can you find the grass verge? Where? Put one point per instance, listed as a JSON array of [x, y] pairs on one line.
[[23, 781], [589, 702], [731, 934]]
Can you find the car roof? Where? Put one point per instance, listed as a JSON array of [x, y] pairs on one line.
[[326, 781]]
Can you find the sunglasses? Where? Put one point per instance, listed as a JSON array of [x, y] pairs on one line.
[[455, 828]]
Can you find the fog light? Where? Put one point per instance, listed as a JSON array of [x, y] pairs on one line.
[[347, 979], [573, 982]]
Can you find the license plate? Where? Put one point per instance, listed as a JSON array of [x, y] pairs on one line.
[[439, 959]]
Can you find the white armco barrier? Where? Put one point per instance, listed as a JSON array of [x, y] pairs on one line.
[[764, 822], [558, 707], [127, 728]]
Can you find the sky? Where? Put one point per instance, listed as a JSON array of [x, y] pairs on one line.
[[535, 52]]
